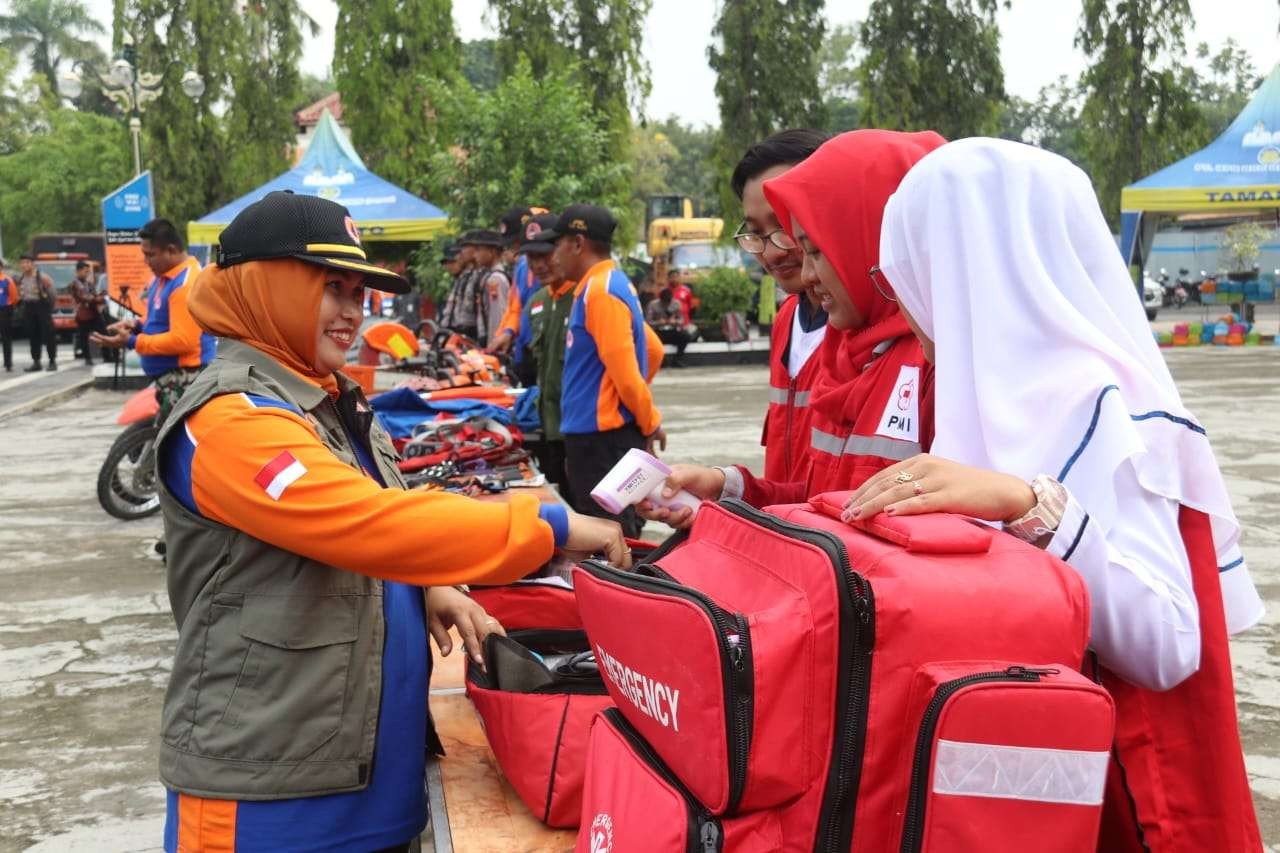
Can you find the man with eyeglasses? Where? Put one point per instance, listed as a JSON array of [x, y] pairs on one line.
[[800, 325]]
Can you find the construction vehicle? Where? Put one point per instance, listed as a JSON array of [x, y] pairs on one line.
[[678, 240]]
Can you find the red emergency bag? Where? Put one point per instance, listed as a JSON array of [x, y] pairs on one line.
[[769, 660], [536, 698]]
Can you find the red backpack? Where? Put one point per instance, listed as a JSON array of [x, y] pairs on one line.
[[795, 683]]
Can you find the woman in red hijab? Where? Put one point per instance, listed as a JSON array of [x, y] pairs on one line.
[[871, 403]]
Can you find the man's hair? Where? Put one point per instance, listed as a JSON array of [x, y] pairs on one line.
[[665, 295], [82, 264], [26, 256], [161, 232], [784, 148]]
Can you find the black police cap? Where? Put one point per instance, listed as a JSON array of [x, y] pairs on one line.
[[589, 220]]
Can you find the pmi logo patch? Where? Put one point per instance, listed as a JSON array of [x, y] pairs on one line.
[[602, 833]]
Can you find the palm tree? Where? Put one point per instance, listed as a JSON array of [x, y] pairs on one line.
[[51, 30]]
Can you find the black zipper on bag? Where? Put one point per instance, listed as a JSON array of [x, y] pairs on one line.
[[913, 821], [705, 834], [735, 660], [853, 680]]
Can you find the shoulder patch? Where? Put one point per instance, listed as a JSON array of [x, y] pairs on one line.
[[258, 401], [901, 417]]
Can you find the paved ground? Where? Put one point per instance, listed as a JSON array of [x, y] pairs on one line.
[[85, 634]]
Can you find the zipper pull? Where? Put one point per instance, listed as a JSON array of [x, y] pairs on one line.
[[1029, 673], [863, 607], [710, 836], [735, 651]]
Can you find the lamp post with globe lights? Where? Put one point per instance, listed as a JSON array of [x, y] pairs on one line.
[[130, 88]]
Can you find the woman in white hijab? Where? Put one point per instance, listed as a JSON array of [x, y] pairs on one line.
[[1057, 416]]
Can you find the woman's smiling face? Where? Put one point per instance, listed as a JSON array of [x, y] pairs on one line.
[[341, 310], [818, 275]]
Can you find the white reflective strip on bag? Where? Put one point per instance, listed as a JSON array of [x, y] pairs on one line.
[[1020, 773], [861, 445], [779, 396]]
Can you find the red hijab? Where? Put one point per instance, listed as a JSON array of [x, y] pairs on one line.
[[838, 195]]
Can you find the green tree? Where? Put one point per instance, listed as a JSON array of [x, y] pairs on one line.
[[838, 78], [57, 180], [766, 58], [692, 172], [51, 31], [388, 56], [1225, 86], [556, 155], [932, 65], [480, 64], [1051, 121], [312, 88], [23, 106], [1140, 112], [185, 142], [266, 88]]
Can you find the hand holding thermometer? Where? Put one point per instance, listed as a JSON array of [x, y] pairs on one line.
[[638, 476]]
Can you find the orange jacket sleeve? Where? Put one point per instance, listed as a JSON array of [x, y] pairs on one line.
[[511, 317], [327, 511], [183, 335], [608, 320], [653, 345]]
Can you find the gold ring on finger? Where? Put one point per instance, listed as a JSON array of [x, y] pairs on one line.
[[904, 477]]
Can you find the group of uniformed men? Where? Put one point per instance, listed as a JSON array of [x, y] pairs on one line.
[[543, 287]]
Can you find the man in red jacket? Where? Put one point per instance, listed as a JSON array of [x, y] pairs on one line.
[[801, 324]]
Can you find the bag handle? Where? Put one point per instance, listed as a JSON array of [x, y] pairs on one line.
[[933, 533]]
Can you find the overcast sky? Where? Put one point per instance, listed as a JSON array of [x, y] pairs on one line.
[[1035, 43]]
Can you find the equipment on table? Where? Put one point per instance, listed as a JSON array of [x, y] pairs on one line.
[[637, 476], [802, 684]]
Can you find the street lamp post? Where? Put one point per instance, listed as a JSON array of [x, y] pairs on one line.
[[130, 88]]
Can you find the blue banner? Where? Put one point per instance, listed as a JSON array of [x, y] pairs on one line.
[[124, 212], [131, 206]]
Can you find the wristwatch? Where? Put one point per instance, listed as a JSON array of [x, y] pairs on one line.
[[1043, 518]]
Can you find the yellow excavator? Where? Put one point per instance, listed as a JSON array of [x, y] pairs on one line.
[[677, 240]]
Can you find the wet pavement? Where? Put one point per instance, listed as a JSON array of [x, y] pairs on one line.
[[86, 636]]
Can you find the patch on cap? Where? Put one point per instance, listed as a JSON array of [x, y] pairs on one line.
[[578, 225], [532, 230], [352, 230]]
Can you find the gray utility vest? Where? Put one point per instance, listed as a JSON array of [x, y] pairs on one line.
[[277, 678]]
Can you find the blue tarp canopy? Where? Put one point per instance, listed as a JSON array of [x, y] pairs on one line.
[[1239, 172], [332, 169]]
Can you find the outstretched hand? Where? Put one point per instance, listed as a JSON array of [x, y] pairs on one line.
[[450, 608], [698, 480]]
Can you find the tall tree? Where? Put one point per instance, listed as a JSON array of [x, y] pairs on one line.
[[766, 58], [480, 64], [50, 31], [1225, 85], [1139, 112], [838, 78], [185, 142], [1051, 121], [602, 39], [266, 89], [692, 172], [555, 155], [932, 65], [387, 53]]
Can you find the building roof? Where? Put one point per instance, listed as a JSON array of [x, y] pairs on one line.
[[309, 116]]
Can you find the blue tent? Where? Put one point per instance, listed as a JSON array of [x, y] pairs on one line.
[[1237, 172], [332, 169]]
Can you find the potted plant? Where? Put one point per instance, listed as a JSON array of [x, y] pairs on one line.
[[1243, 244], [721, 291]]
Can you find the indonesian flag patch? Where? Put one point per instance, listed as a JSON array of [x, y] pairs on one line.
[[279, 474]]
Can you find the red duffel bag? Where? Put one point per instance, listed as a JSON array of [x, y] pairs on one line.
[[536, 698], [769, 659]]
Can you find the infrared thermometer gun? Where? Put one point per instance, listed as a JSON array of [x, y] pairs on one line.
[[638, 476]]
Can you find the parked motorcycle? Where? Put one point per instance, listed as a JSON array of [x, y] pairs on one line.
[[127, 487]]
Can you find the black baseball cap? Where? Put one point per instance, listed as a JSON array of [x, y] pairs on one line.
[[283, 224], [534, 240], [481, 237], [590, 220], [449, 252]]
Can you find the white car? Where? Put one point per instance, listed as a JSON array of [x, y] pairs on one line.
[[1152, 295]]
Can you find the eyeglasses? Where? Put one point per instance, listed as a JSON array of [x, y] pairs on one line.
[[752, 242], [880, 284]]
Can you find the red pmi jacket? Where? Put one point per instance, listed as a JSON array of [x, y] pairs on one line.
[[786, 422]]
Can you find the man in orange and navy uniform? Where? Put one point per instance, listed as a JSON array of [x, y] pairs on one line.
[[606, 406], [8, 299], [172, 347]]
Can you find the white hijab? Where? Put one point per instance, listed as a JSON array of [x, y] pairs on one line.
[[1000, 253]]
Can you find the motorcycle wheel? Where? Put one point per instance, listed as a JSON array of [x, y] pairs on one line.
[[127, 486]]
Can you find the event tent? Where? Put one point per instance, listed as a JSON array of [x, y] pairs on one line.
[[1239, 172], [332, 169]]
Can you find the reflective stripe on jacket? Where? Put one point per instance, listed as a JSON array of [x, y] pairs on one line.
[[786, 422]]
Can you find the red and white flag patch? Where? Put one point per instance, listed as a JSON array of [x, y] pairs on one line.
[[279, 474]]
